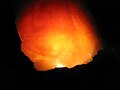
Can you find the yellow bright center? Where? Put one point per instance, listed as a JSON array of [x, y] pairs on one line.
[[58, 65]]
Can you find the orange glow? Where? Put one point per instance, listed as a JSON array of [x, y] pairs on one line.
[[56, 34]]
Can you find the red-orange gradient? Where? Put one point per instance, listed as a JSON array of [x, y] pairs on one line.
[[57, 33]]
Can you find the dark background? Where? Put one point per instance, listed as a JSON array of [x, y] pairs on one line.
[[17, 72]]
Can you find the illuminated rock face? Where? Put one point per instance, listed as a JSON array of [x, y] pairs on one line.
[[57, 33]]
